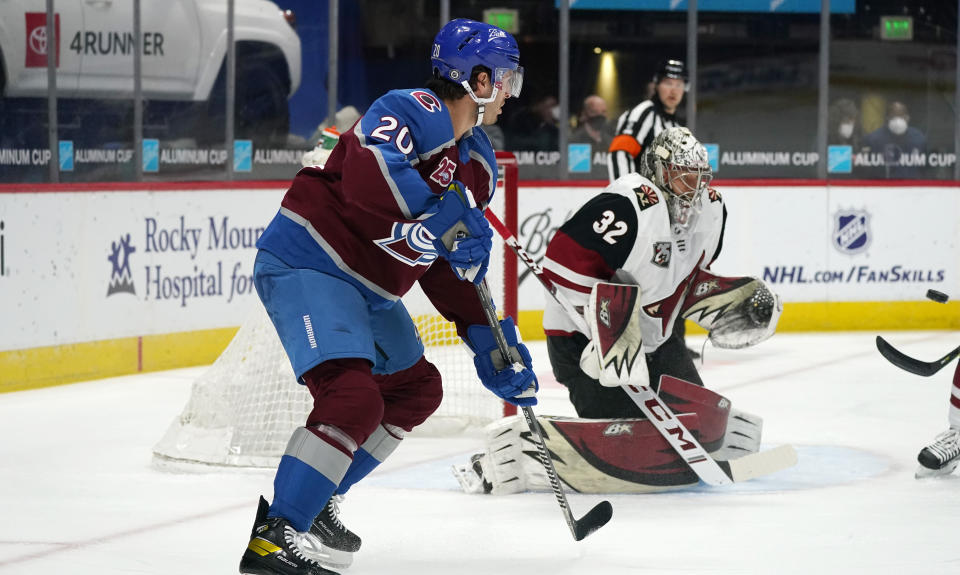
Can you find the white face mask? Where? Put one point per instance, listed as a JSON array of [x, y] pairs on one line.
[[897, 125], [846, 130]]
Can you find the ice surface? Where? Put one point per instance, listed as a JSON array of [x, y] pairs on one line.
[[78, 494]]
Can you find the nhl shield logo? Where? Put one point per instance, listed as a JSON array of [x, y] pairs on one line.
[[851, 232], [661, 254]]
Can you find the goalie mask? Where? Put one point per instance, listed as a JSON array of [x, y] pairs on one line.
[[677, 163]]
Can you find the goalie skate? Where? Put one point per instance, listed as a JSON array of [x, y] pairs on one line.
[[940, 457]]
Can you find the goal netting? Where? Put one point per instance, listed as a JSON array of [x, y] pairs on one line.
[[244, 407]]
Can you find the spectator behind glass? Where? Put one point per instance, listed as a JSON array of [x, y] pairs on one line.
[[536, 126], [592, 124], [844, 124], [898, 142]]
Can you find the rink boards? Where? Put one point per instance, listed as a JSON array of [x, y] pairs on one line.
[[108, 279]]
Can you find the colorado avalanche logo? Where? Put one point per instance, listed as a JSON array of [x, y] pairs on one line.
[[410, 244], [427, 100], [851, 232]]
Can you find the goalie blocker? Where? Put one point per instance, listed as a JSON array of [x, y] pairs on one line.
[[611, 455]]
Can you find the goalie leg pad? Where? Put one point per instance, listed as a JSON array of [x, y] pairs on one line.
[[726, 432], [742, 437], [590, 456], [712, 408], [503, 467]]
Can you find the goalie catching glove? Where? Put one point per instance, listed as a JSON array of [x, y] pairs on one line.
[[460, 233], [516, 384], [738, 311], [614, 355]]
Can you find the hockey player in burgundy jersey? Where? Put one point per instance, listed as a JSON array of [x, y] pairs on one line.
[[403, 189]]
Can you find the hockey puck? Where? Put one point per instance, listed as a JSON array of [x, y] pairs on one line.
[[937, 296]]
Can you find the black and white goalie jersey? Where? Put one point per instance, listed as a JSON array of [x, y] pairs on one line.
[[624, 235]]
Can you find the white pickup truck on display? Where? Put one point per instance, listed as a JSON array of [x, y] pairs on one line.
[[184, 51]]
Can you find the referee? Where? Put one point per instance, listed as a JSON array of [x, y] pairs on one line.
[[637, 127]]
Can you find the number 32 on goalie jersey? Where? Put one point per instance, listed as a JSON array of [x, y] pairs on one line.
[[610, 227]]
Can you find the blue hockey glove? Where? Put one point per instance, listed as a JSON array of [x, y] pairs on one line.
[[461, 235], [516, 384]]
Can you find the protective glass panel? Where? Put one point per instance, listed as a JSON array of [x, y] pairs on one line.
[[757, 94], [613, 59], [892, 92]]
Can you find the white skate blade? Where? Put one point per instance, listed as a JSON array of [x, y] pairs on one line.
[[927, 473], [327, 557], [333, 558]]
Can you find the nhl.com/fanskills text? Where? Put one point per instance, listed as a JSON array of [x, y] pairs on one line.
[[853, 275]]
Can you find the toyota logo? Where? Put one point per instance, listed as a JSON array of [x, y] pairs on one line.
[[38, 40]]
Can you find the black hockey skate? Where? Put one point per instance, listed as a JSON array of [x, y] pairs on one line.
[[339, 543], [276, 548], [942, 456]]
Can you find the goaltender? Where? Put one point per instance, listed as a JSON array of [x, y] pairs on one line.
[[648, 239]]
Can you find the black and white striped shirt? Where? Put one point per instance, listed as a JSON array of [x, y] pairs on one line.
[[636, 129]]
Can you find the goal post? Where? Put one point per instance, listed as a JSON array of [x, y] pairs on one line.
[[244, 407]]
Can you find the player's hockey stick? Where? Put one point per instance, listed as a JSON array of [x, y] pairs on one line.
[[915, 366], [603, 511], [680, 438]]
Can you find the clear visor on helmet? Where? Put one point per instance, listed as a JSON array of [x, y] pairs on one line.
[[509, 80]]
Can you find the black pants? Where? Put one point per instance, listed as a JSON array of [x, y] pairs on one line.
[[594, 401]]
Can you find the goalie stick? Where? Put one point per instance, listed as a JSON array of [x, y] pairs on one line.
[[680, 438], [915, 366], [601, 512]]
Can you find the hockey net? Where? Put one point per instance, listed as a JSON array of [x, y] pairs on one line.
[[244, 407]]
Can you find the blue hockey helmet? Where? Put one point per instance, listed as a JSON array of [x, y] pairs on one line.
[[463, 44]]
